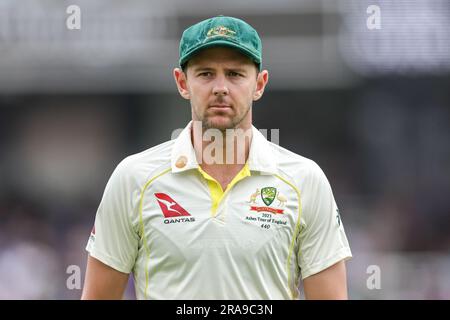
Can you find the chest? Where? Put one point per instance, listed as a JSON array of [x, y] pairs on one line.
[[258, 215]]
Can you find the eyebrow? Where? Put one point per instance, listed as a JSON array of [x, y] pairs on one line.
[[236, 69]]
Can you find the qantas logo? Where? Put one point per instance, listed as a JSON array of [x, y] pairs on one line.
[[171, 209]]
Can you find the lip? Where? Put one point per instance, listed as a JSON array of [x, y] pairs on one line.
[[220, 106]]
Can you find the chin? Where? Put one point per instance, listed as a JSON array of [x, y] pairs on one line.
[[220, 124]]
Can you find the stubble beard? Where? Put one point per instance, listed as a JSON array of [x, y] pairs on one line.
[[233, 123]]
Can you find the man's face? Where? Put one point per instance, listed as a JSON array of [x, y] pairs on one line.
[[221, 84]]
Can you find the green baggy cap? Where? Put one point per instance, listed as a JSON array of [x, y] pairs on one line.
[[221, 31]]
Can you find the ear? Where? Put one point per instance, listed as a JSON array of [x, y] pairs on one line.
[[261, 82], [181, 81]]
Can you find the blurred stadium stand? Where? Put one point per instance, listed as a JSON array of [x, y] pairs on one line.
[[371, 107]]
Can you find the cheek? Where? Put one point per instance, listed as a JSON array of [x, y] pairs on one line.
[[193, 91], [200, 91], [244, 96], [199, 97]]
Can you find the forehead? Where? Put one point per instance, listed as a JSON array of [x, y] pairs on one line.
[[220, 55]]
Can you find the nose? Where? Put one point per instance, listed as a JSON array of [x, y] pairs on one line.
[[220, 87]]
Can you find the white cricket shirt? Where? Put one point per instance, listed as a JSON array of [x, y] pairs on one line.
[[183, 237]]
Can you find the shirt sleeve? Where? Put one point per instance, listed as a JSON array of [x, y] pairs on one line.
[[322, 239], [114, 240]]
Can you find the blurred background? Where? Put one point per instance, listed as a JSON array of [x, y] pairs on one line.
[[364, 93]]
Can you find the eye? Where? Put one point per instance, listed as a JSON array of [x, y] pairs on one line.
[[234, 74], [205, 74]]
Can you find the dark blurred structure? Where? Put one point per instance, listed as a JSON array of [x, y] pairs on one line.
[[371, 107]]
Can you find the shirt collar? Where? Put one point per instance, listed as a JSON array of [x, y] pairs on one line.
[[261, 157], [183, 155]]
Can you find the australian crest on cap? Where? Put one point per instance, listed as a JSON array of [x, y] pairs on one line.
[[220, 31]]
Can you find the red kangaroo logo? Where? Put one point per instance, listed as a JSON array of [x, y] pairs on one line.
[[170, 207]]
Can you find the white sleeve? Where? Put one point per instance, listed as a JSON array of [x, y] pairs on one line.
[[322, 239], [114, 240]]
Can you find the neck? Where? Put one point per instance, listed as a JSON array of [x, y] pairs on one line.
[[220, 149]]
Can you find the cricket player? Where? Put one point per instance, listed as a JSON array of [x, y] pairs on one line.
[[219, 212]]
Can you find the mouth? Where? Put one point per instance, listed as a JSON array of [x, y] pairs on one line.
[[220, 106]]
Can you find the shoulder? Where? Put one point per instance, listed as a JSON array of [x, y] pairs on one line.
[[136, 168], [299, 168], [308, 177]]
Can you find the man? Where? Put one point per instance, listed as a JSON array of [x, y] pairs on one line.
[[219, 212]]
